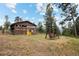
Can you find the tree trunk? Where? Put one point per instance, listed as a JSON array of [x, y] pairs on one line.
[[75, 31], [46, 35]]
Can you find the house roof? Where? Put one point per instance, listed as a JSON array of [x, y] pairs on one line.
[[23, 22]]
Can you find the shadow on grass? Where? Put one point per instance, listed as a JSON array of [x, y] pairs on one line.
[[53, 38]]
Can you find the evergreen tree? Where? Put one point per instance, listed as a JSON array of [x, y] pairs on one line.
[[77, 25], [18, 19], [49, 20], [0, 27], [40, 28], [69, 11], [6, 24]]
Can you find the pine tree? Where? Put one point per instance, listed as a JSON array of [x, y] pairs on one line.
[[69, 11], [40, 27], [49, 20], [6, 24]]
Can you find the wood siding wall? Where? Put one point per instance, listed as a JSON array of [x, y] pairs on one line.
[[22, 28]]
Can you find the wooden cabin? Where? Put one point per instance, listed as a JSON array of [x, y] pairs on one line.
[[22, 27]]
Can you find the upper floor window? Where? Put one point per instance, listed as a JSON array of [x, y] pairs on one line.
[[24, 26]]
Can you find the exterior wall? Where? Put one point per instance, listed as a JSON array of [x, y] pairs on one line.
[[22, 28]]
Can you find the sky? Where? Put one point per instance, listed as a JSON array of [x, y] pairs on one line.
[[33, 12], [27, 11]]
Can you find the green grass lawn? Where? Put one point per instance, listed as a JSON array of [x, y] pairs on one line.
[[37, 45]]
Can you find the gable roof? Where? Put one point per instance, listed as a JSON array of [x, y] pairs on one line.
[[23, 22]]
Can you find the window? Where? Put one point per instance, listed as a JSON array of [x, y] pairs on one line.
[[24, 26]]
